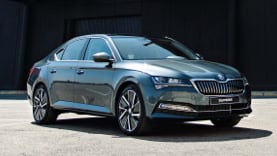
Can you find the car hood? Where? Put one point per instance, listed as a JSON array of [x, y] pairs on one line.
[[178, 67]]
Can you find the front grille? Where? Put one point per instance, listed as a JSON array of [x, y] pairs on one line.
[[213, 87]]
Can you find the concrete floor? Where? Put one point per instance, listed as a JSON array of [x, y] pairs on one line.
[[91, 135]]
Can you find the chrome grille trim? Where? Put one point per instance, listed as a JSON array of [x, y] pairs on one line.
[[214, 87]]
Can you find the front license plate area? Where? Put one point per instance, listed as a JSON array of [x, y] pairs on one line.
[[224, 100]]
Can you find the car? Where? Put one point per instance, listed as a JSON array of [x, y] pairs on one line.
[[137, 80]]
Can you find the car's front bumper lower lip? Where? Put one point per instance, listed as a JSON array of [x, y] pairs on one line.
[[199, 112]]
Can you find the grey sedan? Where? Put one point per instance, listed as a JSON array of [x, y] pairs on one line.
[[136, 79]]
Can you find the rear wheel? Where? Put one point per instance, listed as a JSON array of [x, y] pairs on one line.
[[131, 111], [43, 113], [226, 122]]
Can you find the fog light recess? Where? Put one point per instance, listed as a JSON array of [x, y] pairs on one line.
[[176, 107]]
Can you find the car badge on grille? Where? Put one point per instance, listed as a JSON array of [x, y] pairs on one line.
[[221, 77]]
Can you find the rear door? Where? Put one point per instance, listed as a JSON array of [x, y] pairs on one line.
[[94, 79], [62, 71]]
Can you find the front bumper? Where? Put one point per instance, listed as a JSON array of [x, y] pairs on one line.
[[201, 112], [188, 104]]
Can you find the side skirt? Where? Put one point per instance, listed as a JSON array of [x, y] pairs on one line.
[[82, 108]]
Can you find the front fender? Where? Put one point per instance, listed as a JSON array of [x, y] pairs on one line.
[[122, 77]]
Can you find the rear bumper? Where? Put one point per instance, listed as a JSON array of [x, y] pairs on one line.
[[29, 93], [29, 99]]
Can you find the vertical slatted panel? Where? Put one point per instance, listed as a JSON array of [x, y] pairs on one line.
[[120, 25]]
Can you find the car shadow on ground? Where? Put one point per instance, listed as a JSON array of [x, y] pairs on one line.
[[187, 132]]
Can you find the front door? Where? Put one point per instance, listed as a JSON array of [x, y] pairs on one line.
[[94, 80]]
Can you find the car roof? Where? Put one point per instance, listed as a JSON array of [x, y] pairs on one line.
[[118, 35]]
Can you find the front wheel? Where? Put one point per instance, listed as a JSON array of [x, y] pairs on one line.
[[131, 111], [43, 113], [226, 122]]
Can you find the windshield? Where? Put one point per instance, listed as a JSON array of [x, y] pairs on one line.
[[141, 48]]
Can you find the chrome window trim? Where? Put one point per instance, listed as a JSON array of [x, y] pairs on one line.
[[107, 40]]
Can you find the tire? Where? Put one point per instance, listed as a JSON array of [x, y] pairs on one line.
[[43, 113], [228, 122], [130, 111]]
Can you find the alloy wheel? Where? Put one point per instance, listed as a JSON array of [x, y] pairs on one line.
[[42, 111], [129, 110], [40, 104]]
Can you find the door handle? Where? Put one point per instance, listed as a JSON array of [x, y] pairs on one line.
[[80, 72], [53, 71]]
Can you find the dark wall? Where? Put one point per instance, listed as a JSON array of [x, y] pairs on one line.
[[235, 32], [10, 41], [50, 22], [257, 31], [200, 24]]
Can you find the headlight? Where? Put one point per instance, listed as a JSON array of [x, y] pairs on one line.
[[245, 81], [162, 82]]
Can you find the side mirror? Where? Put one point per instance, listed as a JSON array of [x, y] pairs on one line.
[[199, 56], [101, 57]]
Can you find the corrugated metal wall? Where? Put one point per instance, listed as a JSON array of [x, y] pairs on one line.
[[10, 43], [126, 25]]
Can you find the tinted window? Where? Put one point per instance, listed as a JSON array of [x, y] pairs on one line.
[[96, 45], [141, 48], [60, 54], [73, 50], [57, 56]]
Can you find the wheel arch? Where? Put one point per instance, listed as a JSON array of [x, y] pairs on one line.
[[143, 122], [121, 87]]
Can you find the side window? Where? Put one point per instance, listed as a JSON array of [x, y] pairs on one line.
[[59, 54], [73, 50], [96, 45]]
